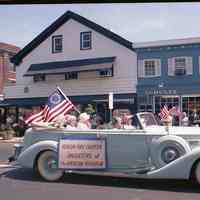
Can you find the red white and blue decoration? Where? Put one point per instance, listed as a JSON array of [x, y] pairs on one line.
[[57, 104]]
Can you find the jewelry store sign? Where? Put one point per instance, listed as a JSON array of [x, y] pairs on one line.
[[82, 154], [160, 92]]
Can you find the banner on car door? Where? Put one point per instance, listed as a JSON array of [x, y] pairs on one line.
[[82, 154]]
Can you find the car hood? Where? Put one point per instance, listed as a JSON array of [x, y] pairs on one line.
[[173, 130]]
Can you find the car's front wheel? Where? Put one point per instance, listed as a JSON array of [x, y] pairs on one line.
[[167, 149], [47, 166]]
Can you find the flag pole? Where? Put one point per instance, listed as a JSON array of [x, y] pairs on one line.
[[67, 98]]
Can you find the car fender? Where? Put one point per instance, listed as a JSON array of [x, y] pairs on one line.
[[158, 145], [179, 168], [28, 156]]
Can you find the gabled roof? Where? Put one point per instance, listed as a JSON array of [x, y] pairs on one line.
[[59, 22]]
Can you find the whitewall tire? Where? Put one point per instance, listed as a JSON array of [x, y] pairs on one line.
[[47, 166], [167, 149], [197, 173]]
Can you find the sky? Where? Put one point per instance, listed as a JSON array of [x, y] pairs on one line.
[[135, 22]]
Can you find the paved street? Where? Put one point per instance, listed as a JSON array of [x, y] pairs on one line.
[[5, 151], [22, 184]]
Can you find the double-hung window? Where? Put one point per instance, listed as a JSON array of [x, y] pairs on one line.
[[180, 66], [57, 44], [86, 40], [149, 68]]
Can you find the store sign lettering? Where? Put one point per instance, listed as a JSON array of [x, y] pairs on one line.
[[160, 92]]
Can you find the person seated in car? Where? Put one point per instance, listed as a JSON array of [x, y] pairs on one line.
[[71, 122], [59, 121], [127, 119], [84, 122], [117, 123]]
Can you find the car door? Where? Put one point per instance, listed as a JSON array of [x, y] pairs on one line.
[[126, 150]]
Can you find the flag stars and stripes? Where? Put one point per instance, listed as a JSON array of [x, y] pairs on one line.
[[57, 104]]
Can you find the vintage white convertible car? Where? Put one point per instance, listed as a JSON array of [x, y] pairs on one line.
[[147, 151]]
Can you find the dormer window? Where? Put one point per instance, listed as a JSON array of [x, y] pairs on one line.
[[86, 40], [57, 44]]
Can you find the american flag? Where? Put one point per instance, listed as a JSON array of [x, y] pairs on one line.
[[57, 104], [175, 111], [164, 114]]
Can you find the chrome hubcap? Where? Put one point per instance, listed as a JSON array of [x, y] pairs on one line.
[[169, 154], [52, 164]]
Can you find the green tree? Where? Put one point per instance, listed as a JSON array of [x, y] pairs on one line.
[[90, 109]]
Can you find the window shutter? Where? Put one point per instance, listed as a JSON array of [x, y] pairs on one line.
[[158, 67], [189, 68], [141, 68], [171, 66]]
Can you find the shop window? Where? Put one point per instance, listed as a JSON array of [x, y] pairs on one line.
[[145, 108], [161, 101], [180, 66], [39, 78], [71, 75], [57, 45]]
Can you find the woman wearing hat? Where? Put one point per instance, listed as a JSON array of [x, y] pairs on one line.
[[84, 122], [71, 122]]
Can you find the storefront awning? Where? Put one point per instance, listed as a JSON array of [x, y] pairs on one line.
[[91, 64], [23, 102]]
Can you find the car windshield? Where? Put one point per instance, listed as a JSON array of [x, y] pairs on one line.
[[148, 119]]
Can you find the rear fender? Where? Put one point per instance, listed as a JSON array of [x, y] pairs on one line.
[[28, 156]]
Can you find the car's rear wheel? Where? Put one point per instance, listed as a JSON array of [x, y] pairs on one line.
[[47, 166]]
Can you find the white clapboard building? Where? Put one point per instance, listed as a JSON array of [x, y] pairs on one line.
[[86, 60]]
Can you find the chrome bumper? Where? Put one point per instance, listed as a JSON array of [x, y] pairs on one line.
[[17, 150]]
